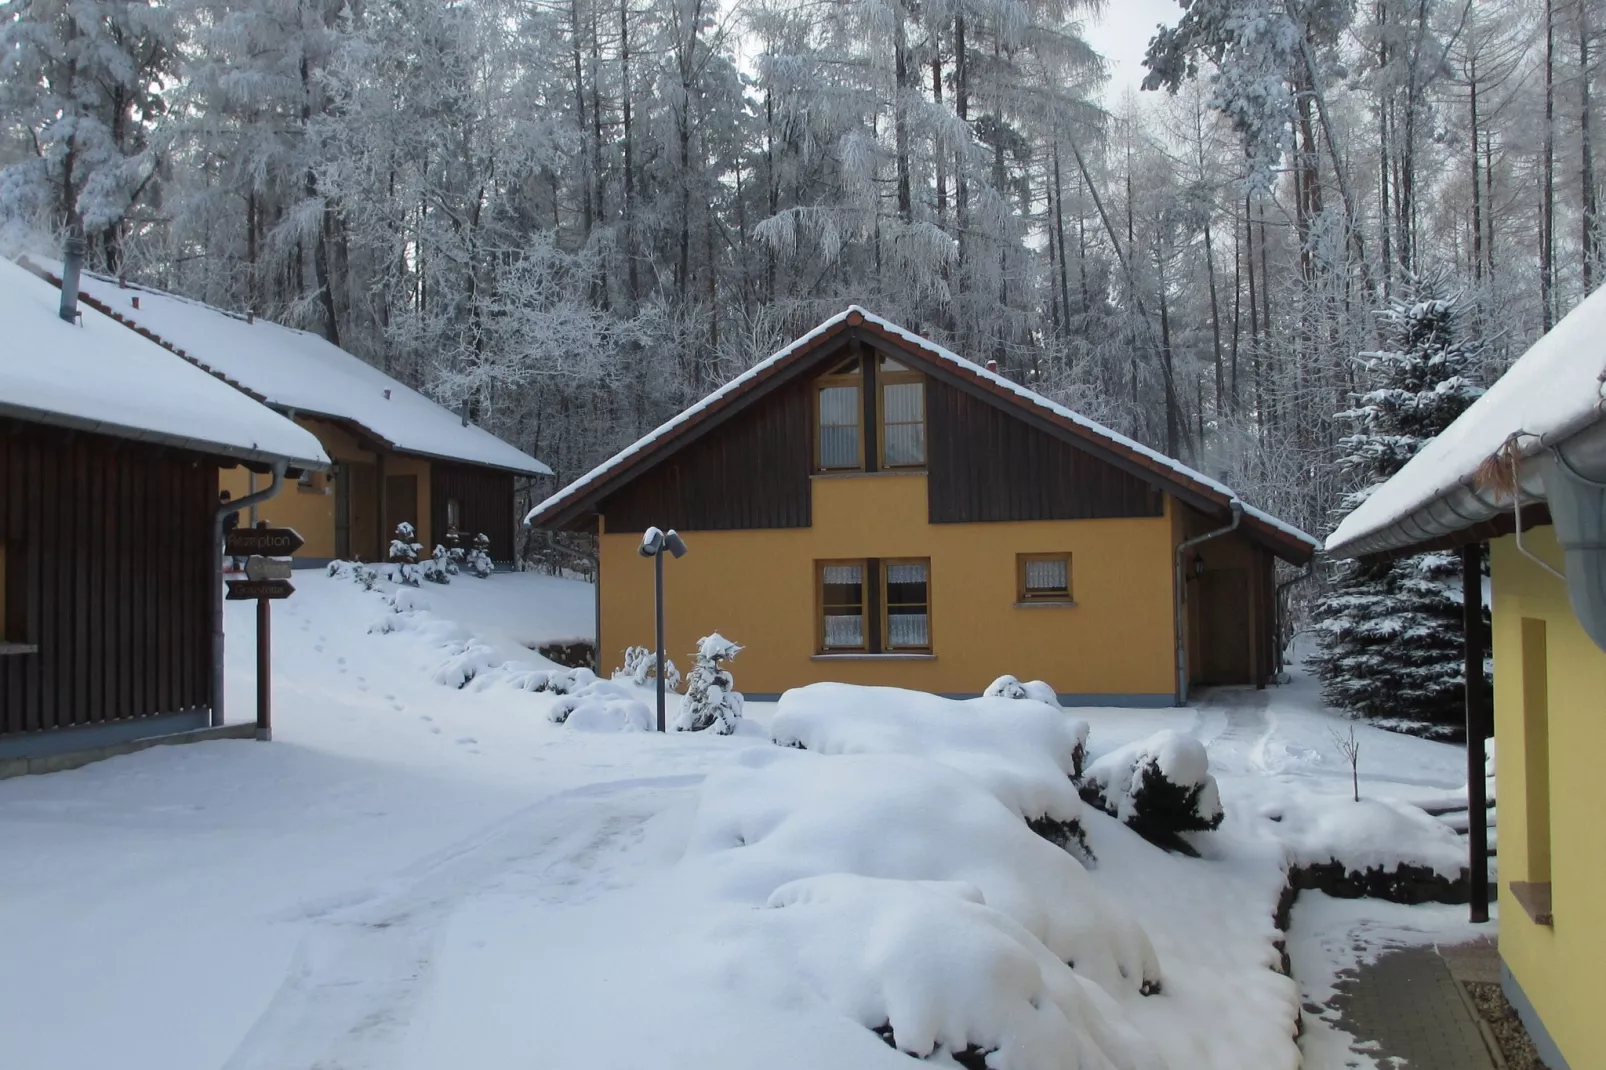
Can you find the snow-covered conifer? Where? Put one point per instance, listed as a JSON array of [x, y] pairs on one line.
[[1391, 632], [710, 700]]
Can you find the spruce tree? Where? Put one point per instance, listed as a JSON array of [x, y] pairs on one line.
[[1390, 632]]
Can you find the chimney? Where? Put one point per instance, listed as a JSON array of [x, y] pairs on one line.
[[992, 366], [135, 300], [72, 264], [465, 412], [387, 393]]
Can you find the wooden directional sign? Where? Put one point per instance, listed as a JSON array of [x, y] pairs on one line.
[[269, 542], [242, 590], [268, 568]]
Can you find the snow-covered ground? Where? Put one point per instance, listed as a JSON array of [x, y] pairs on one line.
[[418, 876]]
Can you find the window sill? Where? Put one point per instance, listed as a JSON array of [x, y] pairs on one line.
[[1047, 603], [1534, 898], [856, 474], [18, 648], [873, 657]]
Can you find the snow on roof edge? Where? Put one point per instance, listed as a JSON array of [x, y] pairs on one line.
[[943, 353]]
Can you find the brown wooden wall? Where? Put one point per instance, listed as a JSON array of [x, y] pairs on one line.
[[990, 465], [116, 538], [751, 472], [485, 496]]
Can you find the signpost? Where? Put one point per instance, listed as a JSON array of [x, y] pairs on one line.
[[267, 578]]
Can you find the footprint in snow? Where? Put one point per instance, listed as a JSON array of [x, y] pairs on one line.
[[466, 740], [435, 729], [422, 717]]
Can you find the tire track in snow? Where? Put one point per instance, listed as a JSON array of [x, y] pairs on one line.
[[347, 998]]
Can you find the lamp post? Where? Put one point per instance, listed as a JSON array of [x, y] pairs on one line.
[[653, 544]]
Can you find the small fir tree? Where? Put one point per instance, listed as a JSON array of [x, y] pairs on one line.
[[711, 700], [1390, 633]]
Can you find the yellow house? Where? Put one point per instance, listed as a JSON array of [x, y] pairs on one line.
[[1530, 457], [867, 506], [398, 456]]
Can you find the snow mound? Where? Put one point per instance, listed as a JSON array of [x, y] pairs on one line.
[[1370, 834], [1024, 753], [602, 706], [939, 973], [1159, 786], [1009, 687], [521, 676], [773, 816]]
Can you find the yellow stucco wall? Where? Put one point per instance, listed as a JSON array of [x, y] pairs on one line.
[[1558, 967], [757, 588], [311, 511]]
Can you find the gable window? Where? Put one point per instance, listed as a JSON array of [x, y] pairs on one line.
[[903, 416], [841, 409], [870, 415], [874, 606], [1043, 578]]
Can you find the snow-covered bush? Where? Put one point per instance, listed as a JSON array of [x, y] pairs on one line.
[[465, 660], [1025, 753], [602, 706], [773, 816], [522, 677], [943, 976], [407, 600], [710, 700], [1160, 787], [439, 568], [1040, 691], [403, 555], [641, 665], [365, 576], [478, 557]]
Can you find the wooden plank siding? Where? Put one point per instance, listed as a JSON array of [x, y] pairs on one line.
[[988, 465], [485, 500], [750, 473], [115, 540]]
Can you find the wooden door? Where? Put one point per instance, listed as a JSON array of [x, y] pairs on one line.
[[1224, 631], [362, 509], [401, 504]]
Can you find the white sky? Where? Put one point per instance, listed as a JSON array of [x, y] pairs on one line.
[[1121, 34]]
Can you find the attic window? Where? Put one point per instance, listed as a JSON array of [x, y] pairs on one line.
[[903, 416], [839, 411], [870, 415]]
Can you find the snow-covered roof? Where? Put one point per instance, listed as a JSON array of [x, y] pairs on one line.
[[99, 376], [300, 371], [1551, 393], [1150, 458]]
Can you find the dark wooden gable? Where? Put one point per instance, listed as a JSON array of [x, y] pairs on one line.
[[751, 471], [988, 464]]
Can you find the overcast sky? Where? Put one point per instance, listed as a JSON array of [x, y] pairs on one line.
[[1122, 33]]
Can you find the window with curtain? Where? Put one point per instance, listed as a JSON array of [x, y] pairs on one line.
[[840, 410], [908, 605], [842, 606], [1043, 577]]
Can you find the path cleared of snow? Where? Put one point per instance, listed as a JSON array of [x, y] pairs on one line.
[[419, 876]]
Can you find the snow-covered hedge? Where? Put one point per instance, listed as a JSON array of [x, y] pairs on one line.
[[1372, 834], [602, 706], [1040, 691], [774, 816], [1024, 753], [1160, 786]]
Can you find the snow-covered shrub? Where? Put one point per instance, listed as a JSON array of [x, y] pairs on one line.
[[1025, 753], [1373, 847], [403, 555], [602, 706], [478, 557], [1160, 787], [773, 816], [439, 568], [1040, 691], [710, 700], [521, 677], [942, 976], [641, 665], [365, 576], [465, 659]]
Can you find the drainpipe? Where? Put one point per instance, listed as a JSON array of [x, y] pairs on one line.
[[249, 501], [1183, 547]]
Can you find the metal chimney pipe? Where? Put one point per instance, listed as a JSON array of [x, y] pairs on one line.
[[465, 412], [72, 264]]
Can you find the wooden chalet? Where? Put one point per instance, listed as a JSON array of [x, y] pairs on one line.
[[867, 506], [110, 448]]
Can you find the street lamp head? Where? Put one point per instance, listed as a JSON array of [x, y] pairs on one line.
[[652, 541], [674, 543]]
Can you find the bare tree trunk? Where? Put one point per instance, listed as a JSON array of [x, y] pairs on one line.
[[1215, 321], [1547, 197], [625, 93], [1477, 193], [1588, 193]]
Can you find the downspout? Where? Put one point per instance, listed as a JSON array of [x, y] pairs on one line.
[[1177, 603], [249, 501]]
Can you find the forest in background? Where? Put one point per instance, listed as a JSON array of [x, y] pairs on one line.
[[579, 216]]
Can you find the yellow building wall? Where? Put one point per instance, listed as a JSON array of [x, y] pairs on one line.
[[1558, 967], [311, 510], [758, 589]]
